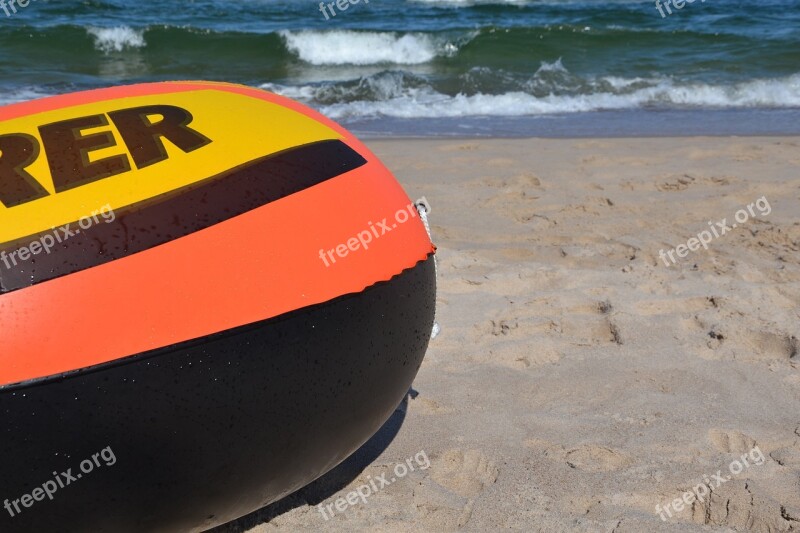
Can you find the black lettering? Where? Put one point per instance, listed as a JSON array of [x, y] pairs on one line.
[[143, 138], [17, 151], [68, 152]]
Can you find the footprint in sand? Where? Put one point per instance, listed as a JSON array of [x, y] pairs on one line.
[[592, 324], [671, 183], [786, 457], [591, 458], [676, 306], [516, 198], [506, 341], [526, 181], [731, 441], [594, 458], [783, 238], [503, 327], [675, 183], [771, 345], [754, 345], [428, 406], [741, 505], [712, 335], [588, 323], [464, 472], [517, 328], [456, 479]]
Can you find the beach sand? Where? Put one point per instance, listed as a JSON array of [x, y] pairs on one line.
[[578, 381]]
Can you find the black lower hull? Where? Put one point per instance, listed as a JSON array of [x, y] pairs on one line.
[[212, 429]]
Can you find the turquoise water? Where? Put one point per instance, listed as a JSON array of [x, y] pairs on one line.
[[437, 66]]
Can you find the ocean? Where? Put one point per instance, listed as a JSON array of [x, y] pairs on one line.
[[438, 67]]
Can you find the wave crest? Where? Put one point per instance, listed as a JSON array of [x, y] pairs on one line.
[[116, 39], [399, 95], [344, 47]]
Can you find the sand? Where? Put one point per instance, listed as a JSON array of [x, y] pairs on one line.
[[578, 381]]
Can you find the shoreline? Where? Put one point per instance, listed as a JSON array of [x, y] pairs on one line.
[[616, 124], [367, 138]]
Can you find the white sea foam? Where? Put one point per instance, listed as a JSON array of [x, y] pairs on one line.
[[22, 95], [405, 102], [390, 96], [116, 39], [296, 92], [343, 47]]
